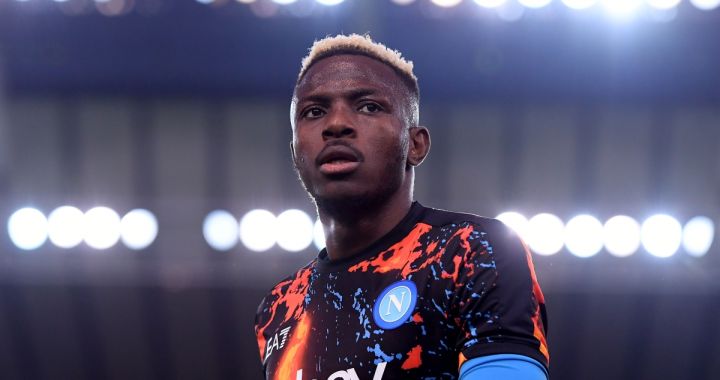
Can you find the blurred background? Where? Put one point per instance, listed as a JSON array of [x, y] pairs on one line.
[[149, 200]]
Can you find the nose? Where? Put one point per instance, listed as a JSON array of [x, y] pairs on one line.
[[339, 124]]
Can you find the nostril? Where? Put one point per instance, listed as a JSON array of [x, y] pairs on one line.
[[346, 132]]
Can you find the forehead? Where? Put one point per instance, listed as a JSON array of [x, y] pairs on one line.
[[348, 71]]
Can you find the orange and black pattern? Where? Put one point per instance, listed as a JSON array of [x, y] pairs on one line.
[[476, 294]]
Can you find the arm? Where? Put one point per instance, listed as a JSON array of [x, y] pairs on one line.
[[503, 367]]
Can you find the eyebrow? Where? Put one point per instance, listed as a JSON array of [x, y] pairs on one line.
[[352, 94]]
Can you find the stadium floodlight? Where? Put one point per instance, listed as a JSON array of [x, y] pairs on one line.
[[446, 3], [579, 4], [102, 227], [220, 230], [318, 235], [698, 235], [516, 221], [403, 2], [622, 8], [490, 3], [545, 234], [329, 2], [28, 228], [534, 4], [258, 230], [661, 235], [705, 5], [284, 2], [663, 4], [584, 236], [138, 229], [622, 235], [295, 230], [66, 226]]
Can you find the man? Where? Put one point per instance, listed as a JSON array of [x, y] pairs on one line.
[[401, 291]]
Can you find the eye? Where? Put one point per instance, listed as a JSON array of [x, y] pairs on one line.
[[370, 108], [313, 113]]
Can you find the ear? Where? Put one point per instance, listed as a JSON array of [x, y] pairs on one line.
[[292, 154], [419, 145]]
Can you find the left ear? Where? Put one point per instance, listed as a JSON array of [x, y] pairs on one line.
[[419, 145]]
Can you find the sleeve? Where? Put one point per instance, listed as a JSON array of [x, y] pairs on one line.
[[498, 305], [503, 367]]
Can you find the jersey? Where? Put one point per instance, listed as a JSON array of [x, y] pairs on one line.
[[440, 288]]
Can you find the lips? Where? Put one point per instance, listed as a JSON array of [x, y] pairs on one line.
[[338, 159]]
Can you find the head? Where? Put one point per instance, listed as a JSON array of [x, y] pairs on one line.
[[354, 116]]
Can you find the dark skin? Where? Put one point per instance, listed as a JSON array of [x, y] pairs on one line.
[[360, 107]]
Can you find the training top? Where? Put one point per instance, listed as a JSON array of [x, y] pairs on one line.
[[437, 290]]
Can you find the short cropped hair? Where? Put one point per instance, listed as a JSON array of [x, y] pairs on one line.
[[364, 45]]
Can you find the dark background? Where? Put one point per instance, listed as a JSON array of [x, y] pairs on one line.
[[182, 108]]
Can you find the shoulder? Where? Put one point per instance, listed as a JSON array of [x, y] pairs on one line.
[[489, 229], [294, 284]]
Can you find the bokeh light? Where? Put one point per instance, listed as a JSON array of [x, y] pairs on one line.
[[295, 230], [698, 235], [518, 222], [584, 236], [663, 4], [329, 2], [102, 227], [621, 234], [258, 230], [220, 230], [138, 229], [579, 4], [545, 234], [535, 3], [661, 235], [446, 3], [28, 228], [705, 5], [490, 3], [622, 8], [66, 226]]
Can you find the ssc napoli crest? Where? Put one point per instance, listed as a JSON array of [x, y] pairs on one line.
[[395, 304]]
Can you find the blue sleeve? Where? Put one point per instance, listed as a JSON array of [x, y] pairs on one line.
[[502, 367]]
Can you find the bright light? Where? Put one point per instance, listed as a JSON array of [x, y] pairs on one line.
[[698, 236], [622, 235], [584, 236], [66, 226], [258, 230], [138, 229], [318, 235], [220, 230], [622, 8], [329, 2], [102, 228], [205, 1], [403, 2], [705, 5], [579, 4], [446, 3], [545, 234], [510, 11], [516, 221], [246, 1], [663, 4], [535, 3], [661, 235], [284, 1], [295, 230], [28, 228], [490, 3]]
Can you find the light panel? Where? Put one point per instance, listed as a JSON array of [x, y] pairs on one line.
[[545, 234], [258, 230], [28, 228], [220, 230], [295, 230], [661, 235]]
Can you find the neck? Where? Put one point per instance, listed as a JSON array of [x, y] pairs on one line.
[[350, 229]]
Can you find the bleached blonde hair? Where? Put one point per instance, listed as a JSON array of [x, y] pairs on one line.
[[364, 45]]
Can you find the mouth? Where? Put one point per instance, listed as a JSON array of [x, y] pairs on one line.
[[338, 160]]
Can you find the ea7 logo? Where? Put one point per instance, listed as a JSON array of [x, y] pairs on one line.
[[349, 374], [276, 342]]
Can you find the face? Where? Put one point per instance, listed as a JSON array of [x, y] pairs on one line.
[[350, 130]]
